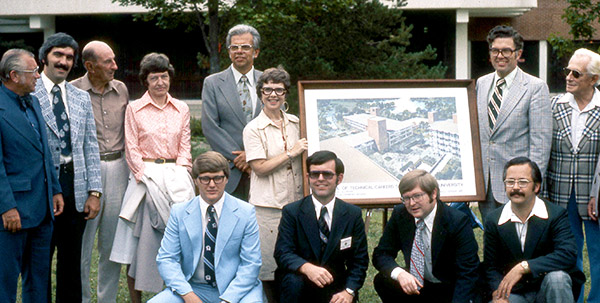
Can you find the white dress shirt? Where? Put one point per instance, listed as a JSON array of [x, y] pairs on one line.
[[509, 80], [48, 85], [198, 276], [579, 117], [539, 210], [329, 206]]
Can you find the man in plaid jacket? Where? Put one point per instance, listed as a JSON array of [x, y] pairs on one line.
[[574, 155]]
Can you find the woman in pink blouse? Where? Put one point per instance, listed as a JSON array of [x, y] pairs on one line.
[[158, 153]]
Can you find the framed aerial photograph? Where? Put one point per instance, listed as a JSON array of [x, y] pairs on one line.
[[382, 129]]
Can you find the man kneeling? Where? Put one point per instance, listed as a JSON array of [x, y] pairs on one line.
[[530, 251], [210, 252]]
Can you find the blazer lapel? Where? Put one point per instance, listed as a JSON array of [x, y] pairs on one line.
[[535, 229], [438, 233], [15, 118], [229, 89], [508, 234], [338, 225], [227, 222], [75, 110], [483, 100], [46, 106], [562, 116], [309, 224], [193, 226], [258, 106], [511, 98], [591, 125]]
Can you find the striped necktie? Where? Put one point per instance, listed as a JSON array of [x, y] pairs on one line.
[[210, 238], [323, 228], [417, 255], [495, 102]]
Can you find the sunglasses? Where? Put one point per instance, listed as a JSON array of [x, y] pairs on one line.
[[314, 174], [576, 74]]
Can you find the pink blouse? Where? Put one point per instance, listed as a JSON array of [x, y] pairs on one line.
[[152, 132]]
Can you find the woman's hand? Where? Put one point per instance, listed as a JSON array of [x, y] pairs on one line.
[[300, 146]]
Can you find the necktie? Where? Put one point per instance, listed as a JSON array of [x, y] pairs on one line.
[[25, 101], [323, 228], [494, 105], [210, 238], [62, 121], [417, 255], [245, 98]]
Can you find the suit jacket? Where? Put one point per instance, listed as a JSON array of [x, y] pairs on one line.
[[523, 127], [223, 118], [298, 242], [86, 157], [567, 160], [549, 246], [237, 250], [27, 178], [453, 248]]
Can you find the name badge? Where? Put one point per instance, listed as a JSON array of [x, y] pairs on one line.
[[345, 243]]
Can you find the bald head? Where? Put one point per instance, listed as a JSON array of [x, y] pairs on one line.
[[91, 50], [99, 61]]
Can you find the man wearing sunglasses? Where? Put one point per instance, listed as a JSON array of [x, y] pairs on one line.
[[321, 248], [210, 251], [530, 251], [438, 245], [229, 102], [574, 157], [514, 114]]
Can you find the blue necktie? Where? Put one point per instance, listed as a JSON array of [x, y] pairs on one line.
[[210, 239], [323, 228], [62, 121]]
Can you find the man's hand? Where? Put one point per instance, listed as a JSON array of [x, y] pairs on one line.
[[592, 209], [58, 204], [511, 278], [342, 297], [240, 160], [494, 300], [409, 283], [12, 220], [92, 207], [191, 297], [318, 275]]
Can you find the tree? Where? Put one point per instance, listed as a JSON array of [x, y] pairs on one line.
[[582, 16]]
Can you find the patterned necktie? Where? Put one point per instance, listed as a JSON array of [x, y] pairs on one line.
[[417, 255], [210, 238], [323, 228], [494, 105], [245, 98], [62, 121]]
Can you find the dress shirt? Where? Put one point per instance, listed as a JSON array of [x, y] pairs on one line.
[[329, 206], [509, 80], [426, 235], [48, 85], [251, 84], [198, 276], [154, 132], [579, 117], [109, 112], [539, 210]]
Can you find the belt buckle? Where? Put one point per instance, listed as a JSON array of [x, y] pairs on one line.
[[160, 161]]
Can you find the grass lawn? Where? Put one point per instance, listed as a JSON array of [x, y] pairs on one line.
[[367, 293]]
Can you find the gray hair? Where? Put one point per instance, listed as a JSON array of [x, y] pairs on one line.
[[12, 60], [593, 66], [241, 29]]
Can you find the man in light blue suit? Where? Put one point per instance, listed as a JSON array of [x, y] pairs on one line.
[[71, 130], [515, 116], [30, 194], [211, 250]]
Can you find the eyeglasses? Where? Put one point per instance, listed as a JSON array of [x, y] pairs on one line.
[[506, 52], [576, 74], [327, 175], [35, 70], [269, 90], [237, 47], [216, 179], [416, 198], [510, 183]]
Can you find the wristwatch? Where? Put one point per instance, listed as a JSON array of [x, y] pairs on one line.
[[350, 291], [525, 266], [96, 194]]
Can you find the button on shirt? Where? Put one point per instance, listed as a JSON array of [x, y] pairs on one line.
[[579, 117], [252, 85], [427, 242], [329, 206], [539, 210], [198, 276], [48, 85]]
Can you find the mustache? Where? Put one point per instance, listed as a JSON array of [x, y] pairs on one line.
[[61, 66], [516, 194]]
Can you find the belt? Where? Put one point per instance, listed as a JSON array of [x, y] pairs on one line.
[[111, 156], [159, 160]]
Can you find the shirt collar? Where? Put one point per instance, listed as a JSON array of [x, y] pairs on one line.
[[147, 100], [48, 84], [569, 98], [318, 206], [539, 210], [237, 75], [87, 85], [263, 121], [430, 218], [509, 78], [218, 206]]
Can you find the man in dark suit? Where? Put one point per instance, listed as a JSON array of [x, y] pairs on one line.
[[438, 245], [71, 130], [229, 102], [321, 249], [530, 251], [30, 195]]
